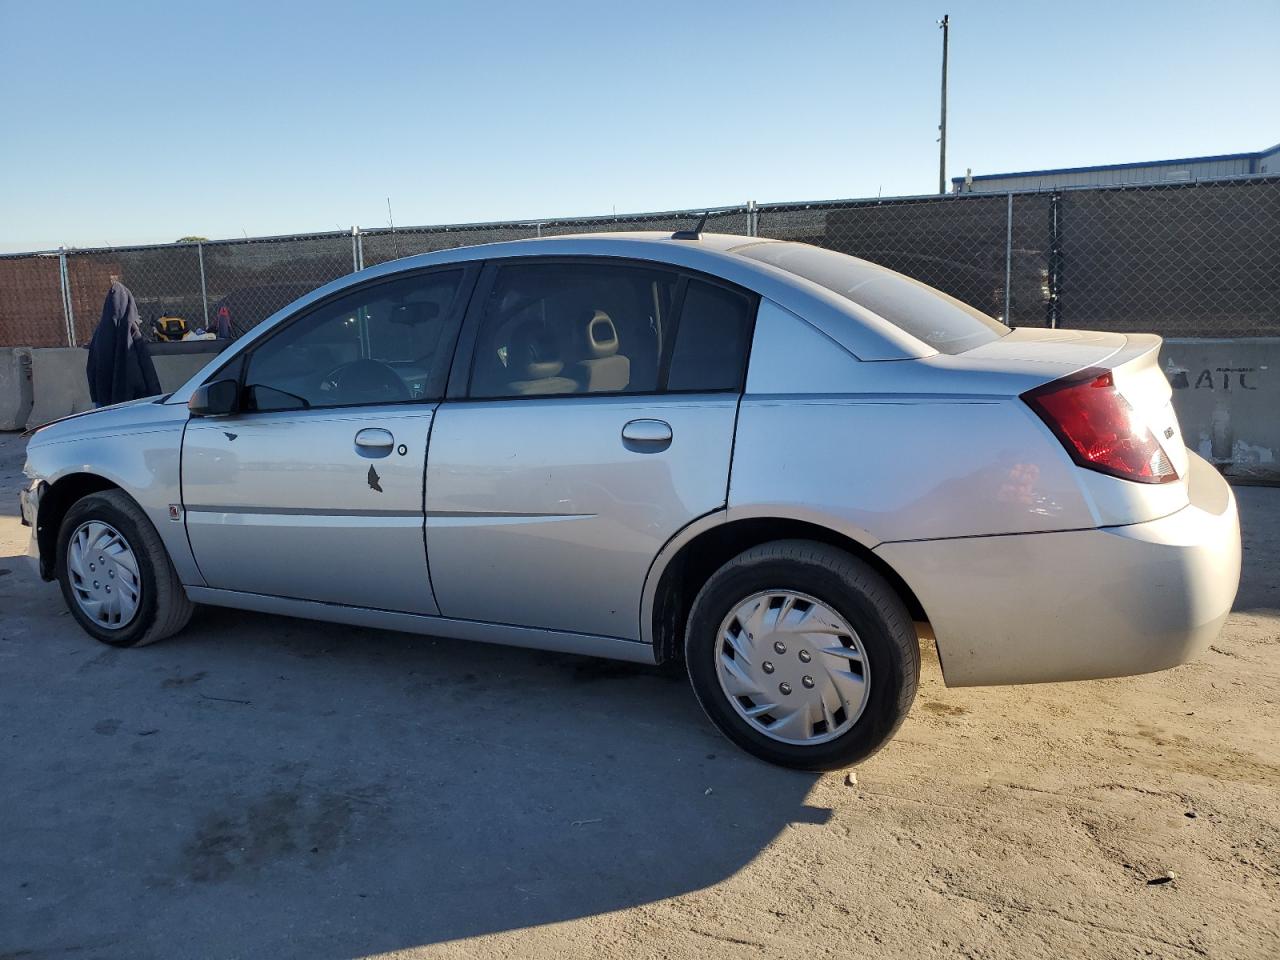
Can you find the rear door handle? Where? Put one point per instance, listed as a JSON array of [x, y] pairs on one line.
[[646, 436], [374, 442]]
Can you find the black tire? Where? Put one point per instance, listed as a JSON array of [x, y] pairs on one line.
[[163, 606], [851, 588]]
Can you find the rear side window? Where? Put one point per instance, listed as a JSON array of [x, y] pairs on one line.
[[551, 329], [567, 328], [712, 340], [944, 323]]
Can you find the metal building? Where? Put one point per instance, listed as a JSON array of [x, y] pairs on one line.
[[1153, 171]]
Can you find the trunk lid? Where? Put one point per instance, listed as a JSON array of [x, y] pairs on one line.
[[1075, 349]]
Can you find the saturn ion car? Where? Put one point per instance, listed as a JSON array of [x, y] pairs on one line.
[[772, 463]]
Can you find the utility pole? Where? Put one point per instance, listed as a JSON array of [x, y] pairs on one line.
[[945, 24]]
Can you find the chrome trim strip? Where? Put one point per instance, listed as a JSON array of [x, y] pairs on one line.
[[468, 514], [307, 511], [301, 511], [562, 642]]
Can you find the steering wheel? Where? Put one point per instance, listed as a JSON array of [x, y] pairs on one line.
[[365, 381]]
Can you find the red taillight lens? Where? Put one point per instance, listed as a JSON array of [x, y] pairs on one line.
[[1098, 428]]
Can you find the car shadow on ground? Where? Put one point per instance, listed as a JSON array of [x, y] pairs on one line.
[[266, 786]]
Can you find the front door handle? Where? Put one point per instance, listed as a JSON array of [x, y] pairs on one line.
[[374, 442], [646, 436]]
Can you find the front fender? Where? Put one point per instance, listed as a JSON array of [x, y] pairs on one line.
[[141, 458]]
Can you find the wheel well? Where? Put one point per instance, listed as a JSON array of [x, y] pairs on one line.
[[55, 503], [697, 560]]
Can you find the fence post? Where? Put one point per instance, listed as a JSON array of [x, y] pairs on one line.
[[1055, 259], [204, 293], [68, 312], [1008, 259], [752, 219], [355, 249]]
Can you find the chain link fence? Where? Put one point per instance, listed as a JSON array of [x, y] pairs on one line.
[[1197, 259]]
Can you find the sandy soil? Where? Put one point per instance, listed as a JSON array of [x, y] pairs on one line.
[[264, 787]]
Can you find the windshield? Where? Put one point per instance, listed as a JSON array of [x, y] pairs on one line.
[[942, 322]]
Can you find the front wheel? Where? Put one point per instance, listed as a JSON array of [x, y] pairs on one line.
[[803, 655], [115, 575]]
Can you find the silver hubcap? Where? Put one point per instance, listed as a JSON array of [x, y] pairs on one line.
[[792, 667], [104, 574]]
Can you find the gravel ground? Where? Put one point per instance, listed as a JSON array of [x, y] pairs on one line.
[[266, 787]]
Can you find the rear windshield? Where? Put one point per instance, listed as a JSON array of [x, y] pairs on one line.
[[942, 322]]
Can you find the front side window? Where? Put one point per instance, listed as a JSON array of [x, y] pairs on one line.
[[390, 342], [553, 329]]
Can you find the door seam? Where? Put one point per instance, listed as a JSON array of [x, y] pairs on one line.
[[182, 499], [733, 448], [426, 459]]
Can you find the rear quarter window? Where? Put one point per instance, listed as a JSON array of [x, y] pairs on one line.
[[713, 339], [941, 321]]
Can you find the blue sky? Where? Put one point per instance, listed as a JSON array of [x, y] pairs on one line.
[[140, 122]]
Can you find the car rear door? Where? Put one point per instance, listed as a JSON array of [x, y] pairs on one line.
[[591, 417], [314, 489]]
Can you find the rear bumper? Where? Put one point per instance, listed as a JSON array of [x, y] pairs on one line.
[[1080, 604]]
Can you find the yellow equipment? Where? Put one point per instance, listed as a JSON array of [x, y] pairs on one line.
[[170, 329]]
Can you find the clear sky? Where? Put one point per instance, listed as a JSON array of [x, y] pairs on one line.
[[130, 122]]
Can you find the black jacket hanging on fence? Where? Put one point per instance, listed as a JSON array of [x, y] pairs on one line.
[[120, 366]]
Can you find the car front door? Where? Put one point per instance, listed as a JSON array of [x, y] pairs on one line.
[[313, 490], [591, 417]]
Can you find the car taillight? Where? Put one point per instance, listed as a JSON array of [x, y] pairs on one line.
[[1099, 428]]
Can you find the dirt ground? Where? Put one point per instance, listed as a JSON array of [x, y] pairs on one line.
[[265, 787]]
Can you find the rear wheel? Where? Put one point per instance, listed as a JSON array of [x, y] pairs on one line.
[[115, 575], [802, 655]]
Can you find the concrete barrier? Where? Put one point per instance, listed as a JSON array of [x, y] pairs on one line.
[[59, 386], [176, 369], [1227, 397], [15, 387], [176, 363]]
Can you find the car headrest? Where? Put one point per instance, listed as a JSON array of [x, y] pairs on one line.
[[534, 352], [600, 337]]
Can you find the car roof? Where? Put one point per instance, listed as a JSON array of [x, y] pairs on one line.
[[660, 245], [712, 241]]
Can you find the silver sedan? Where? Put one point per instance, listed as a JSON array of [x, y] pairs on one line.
[[772, 463]]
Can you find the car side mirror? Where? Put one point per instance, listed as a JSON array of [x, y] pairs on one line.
[[215, 399]]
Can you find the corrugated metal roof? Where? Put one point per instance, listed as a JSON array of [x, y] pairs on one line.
[[1226, 164]]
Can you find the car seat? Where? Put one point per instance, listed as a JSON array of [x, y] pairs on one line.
[[534, 354], [604, 370]]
